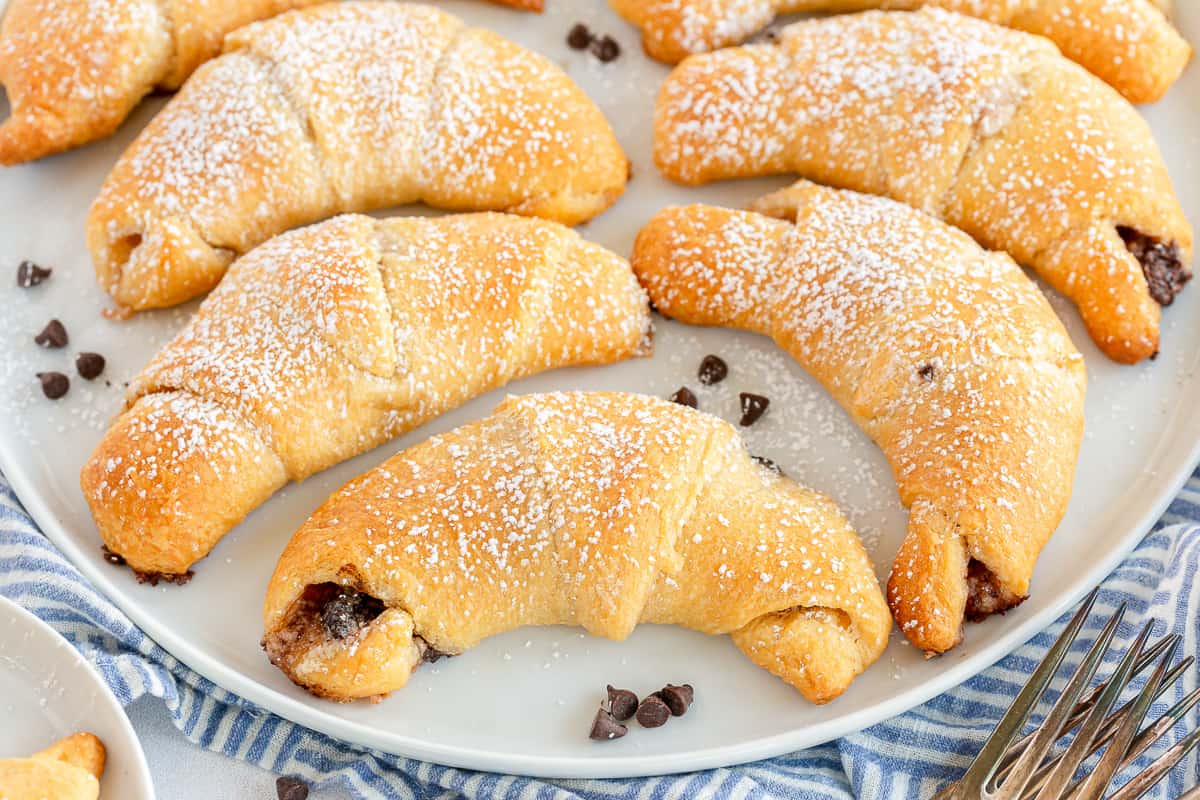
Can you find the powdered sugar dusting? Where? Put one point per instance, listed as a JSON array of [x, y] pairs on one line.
[[947, 356], [592, 509], [345, 107], [987, 128], [332, 339]]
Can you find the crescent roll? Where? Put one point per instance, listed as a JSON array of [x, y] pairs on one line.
[[75, 69], [330, 340], [344, 107], [1129, 44], [946, 355], [600, 510], [69, 769], [989, 129]]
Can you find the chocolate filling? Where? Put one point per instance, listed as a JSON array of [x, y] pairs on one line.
[[328, 612], [347, 611], [154, 578], [985, 594], [1162, 264]]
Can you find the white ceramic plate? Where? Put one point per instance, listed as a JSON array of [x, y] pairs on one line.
[[523, 702], [48, 691]]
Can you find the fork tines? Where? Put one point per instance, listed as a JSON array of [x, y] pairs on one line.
[[1013, 767]]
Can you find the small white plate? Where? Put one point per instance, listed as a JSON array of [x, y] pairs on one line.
[[522, 702], [48, 691]]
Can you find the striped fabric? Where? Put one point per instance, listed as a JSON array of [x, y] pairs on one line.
[[909, 756]]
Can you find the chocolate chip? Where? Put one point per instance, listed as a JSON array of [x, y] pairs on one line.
[[712, 370], [604, 727], [622, 703], [685, 397], [116, 559], [289, 788], [338, 617], [927, 371], [768, 463], [605, 48], [753, 407], [579, 37], [653, 712], [53, 335], [89, 365], [30, 274], [677, 698], [54, 384], [347, 612]]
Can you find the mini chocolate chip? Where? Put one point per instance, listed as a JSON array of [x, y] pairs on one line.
[[338, 616], [54, 384], [89, 365], [677, 698], [753, 407], [653, 711], [30, 274], [289, 788], [712, 370], [604, 727], [605, 48], [685, 397], [927, 371], [768, 463], [116, 559], [53, 335], [622, 702], [579, 37]]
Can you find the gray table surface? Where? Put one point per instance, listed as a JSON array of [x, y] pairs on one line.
[[184, 771]]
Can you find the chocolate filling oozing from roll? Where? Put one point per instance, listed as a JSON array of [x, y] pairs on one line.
[[985, 594], [1162, 264], [328, 612]]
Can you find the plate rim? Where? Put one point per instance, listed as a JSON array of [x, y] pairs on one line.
[[361, 735], [141, 771]]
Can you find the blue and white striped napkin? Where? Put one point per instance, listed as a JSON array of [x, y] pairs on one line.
[[912, 755]]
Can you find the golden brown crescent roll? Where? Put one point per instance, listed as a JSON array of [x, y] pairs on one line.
[[344, 107], [946, 355], [989, 129], [601, 510], [329, 340], [1130, 44], [75, 69], [69, 769]]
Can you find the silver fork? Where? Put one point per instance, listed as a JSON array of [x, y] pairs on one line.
[[1013, 767]]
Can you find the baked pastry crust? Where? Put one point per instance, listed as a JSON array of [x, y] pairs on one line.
[[75, 69], [601, 510], [989, 129], [69, 769], [332, 339], [946, 355], [1130, 44], [344, 107]]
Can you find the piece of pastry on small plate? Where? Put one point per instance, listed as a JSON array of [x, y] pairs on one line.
[[69, 769], [344, 107], [989, 129], [1130, 44], [946, 355], [601, 510], [332, 339], [75, 69]]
